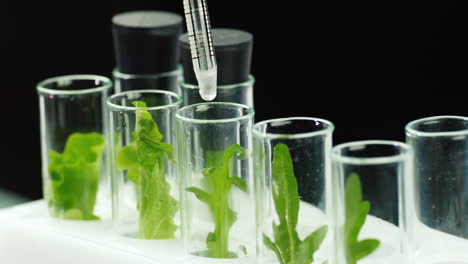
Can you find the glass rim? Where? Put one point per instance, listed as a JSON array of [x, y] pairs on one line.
[[412, 131], [74, 77], [114, 106], [405, 154], [248, 115], [329, 129], [250, 81], [128, 76]]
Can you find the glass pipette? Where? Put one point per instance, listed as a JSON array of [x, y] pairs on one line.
[[201, 45]]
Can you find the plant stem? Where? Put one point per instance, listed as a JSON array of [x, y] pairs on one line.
[[222, 224]]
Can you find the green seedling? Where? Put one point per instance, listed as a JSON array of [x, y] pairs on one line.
[[286, 244], [219, 182], [74, 176], [145, 162], [356, 214]]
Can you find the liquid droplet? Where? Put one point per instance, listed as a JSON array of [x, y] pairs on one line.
[[207, 81]]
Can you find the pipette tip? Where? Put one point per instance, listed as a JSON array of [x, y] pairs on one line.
[[208, 92], [207, 81]]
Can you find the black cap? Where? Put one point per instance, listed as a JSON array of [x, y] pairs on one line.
[[145, 42], [233, 49]]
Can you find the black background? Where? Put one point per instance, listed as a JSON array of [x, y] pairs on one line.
[[369, 68]]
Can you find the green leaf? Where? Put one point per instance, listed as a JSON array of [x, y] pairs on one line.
[[127, 158], [363, 248], [356, 212], [285, 185], [200, 194], [74, 176], [157, 207], [286, 200], [287, 246], [214, 159], [355, 221], [287, 240], [311, 244], [54, 173], [219, 181], [234, 151], [272, 246], [85, 147], [145, 162], [239, 183], [353, 196], [139, 104]]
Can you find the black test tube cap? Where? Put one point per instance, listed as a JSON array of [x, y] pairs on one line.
[[233, 49], [145, 42]]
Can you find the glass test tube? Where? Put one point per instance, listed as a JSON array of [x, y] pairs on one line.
[[368, 193], [292, 165], [241, 93], [73, 130], [167, 81], [215, 172], [439, 193], [142, 147]]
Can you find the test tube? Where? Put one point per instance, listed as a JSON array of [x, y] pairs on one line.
[[215, 173], [142, 149], [292, 166], [439, 189], [369, 218], [73, 132], [201, 43]]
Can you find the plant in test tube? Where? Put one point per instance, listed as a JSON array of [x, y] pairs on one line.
[[356, 212], [219, 182], [286, 244], [74, 176], [145, 161]]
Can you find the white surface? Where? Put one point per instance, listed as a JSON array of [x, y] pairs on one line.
[[434, 247], [28, 235]]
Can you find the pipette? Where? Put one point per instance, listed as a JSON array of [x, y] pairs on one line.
[[201, 45]]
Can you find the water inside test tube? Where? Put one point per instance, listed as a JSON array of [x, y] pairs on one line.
[[207, 81]]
